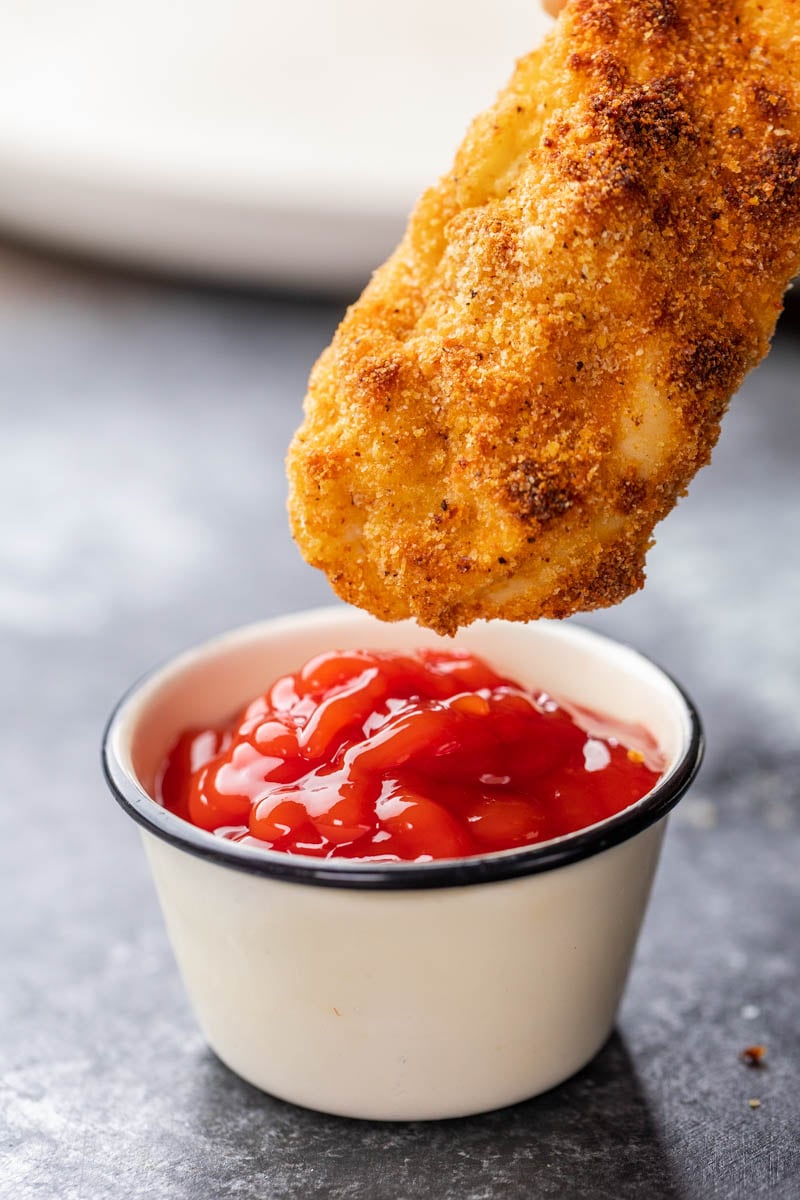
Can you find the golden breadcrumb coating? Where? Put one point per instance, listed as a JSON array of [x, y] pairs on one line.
[[533, 378]]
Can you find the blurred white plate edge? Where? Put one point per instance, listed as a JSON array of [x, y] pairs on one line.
[[179, 141], [202, 234]]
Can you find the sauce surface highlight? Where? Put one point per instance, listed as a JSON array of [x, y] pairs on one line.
[[388, 757]]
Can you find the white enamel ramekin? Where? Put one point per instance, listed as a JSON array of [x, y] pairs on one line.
[[403, 991]]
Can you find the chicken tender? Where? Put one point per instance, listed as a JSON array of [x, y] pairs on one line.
[[531, 381]]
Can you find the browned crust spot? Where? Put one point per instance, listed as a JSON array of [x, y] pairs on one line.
[[632, 493], [649, 118], [539, 491]]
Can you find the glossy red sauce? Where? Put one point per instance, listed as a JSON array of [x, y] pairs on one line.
[[389, 757]]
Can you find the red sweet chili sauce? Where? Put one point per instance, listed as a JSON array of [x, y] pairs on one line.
[[389, 757]]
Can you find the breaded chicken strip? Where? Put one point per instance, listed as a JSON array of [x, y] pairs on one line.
[[531, 381]]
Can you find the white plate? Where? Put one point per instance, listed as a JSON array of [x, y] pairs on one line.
[[244, 140]]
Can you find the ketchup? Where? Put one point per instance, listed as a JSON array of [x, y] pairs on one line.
[[388, 757]]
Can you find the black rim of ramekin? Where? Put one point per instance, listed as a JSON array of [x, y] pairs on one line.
[[441, 873]]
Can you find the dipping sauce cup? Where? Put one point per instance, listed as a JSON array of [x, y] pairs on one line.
[[403, 991]]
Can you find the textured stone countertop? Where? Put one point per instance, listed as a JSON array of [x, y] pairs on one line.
[[142, 498]]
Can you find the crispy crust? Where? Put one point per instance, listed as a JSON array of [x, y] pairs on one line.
[[531, 381]]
